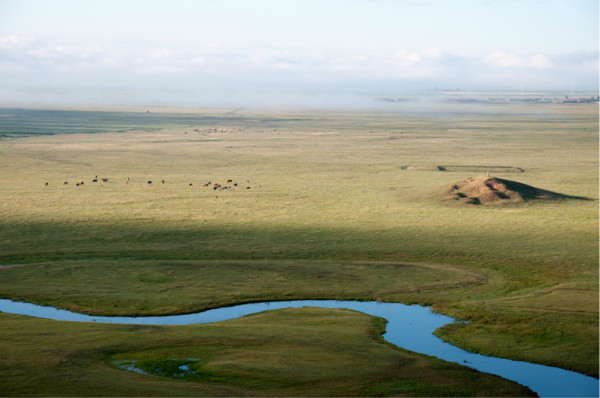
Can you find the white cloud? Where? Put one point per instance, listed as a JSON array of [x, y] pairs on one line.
[[159, 53], [540, 61], [12, 41], [28, 62], [407, 58], [509, 60], [198, 60], [359, 58], [434, 54], [145, 70], [65, 53]]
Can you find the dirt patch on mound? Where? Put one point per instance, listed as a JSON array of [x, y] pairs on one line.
[[483, 190]]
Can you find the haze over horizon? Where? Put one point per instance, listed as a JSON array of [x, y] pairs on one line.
[[291, 52]]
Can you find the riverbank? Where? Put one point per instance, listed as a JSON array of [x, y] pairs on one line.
[[408, 327], [306, 352]]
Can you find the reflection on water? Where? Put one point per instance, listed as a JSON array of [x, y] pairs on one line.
[[408, 327]]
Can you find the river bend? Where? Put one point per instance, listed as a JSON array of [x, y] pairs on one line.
[[409, 326]]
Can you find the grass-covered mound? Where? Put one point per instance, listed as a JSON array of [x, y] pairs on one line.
[[484, 190]]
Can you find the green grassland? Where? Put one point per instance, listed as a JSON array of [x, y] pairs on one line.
[[308, 352], [339, 206]]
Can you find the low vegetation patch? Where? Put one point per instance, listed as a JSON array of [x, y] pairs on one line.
[[291, 352], [154, 287]]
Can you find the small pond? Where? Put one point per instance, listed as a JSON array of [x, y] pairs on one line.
[[181, 367], [409, 327]]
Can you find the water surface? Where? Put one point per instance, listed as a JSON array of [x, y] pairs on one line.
[[409, 327]]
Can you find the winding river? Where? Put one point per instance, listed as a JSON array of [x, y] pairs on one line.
[[409, 327]]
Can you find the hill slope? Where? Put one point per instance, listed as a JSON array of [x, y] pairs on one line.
[[483, 190]]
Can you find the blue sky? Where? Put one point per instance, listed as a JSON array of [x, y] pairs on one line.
[[215, 52]]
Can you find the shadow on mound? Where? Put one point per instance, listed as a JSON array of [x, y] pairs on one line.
[[483, 190]]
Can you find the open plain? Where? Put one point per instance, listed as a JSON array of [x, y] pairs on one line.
[[135, 213]]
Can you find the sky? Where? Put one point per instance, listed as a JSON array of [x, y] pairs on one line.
[[289, 52]]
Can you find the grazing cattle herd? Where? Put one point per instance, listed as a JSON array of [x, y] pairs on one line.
[[215, 186]]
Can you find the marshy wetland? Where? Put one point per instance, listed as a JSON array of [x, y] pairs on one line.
[[341, 206]]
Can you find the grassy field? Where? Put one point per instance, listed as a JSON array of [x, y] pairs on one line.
[[339, 205]]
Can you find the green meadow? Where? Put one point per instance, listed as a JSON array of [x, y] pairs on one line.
[[328, 205]]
